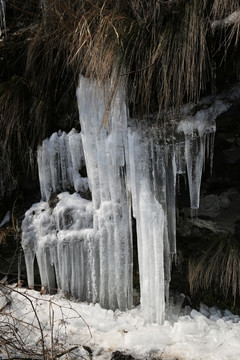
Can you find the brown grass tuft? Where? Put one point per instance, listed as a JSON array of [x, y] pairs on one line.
[[218, 269]]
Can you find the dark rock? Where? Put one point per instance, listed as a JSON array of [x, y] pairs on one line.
[[117, 355], [53, 200], [86, 194]]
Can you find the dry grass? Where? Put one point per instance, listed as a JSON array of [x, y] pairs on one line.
[[218, 269], [19, 133], [5, 233], [24, 335], [162, 49]]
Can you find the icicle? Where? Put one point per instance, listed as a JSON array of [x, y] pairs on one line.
[[59, 160], [171, 197], [180, 157], [3, 27], [194, 154], [19, 266], [29, 261], [211, 150], [150, 221], [151, 225]]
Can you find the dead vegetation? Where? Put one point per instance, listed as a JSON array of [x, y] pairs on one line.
[[166, 51], [218, 268], [24, 335]]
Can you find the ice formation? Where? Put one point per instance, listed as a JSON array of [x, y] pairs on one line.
[[61, 239], [59, 161], [132, 170], [93, 263], [3, 29]]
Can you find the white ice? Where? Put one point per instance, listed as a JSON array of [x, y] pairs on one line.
[[59, 160], [105, 155], [60, 238], [105, 331]]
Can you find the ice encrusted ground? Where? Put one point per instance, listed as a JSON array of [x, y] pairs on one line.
[[105, 331]]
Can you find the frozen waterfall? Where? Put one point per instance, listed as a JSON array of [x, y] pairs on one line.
[[84, 246]]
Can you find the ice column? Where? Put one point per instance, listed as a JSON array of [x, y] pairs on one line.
[[104, 150], [150, 218]]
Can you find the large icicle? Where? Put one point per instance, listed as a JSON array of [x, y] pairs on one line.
[[150, 220], [197, 130], [104, 151]]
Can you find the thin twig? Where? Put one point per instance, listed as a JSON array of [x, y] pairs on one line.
[[35, 313], [66, 351]]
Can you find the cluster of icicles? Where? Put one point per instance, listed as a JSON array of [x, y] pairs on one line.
[[84, 246]]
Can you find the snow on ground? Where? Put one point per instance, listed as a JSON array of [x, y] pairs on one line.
[[105, 331]]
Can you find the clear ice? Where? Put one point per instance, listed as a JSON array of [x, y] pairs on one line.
[[83, 246]]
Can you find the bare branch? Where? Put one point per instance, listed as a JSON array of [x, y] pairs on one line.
[[22, 334], [67, 351]]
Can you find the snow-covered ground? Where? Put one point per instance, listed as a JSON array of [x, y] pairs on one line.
[[67, 324]]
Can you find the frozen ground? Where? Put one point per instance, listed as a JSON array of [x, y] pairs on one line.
[[67, 325]]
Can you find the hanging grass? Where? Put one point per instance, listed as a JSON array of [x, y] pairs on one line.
[[164, 50], [218, 269]]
